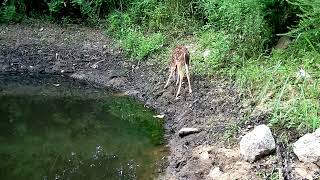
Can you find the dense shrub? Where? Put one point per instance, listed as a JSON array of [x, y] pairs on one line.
[[213, 53], [280, 16], [173, 16], [12, 10], [307, 32], [84, 10], [134, 41], [244, 19]]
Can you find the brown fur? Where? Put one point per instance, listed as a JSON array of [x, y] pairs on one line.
[[180, 57]]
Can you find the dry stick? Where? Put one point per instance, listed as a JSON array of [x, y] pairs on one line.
[[280, 160], [284, 167], [95, 65], [287, 166], [120, 5]]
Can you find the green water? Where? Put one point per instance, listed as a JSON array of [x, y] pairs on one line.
[[73, 137]]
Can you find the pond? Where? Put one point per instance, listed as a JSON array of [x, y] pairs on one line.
[[56, 128]]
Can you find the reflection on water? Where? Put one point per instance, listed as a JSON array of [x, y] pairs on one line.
[[65, 137]]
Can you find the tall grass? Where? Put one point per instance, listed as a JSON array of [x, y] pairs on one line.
[[279, 87]]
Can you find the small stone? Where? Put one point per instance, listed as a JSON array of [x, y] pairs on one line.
[[215, 173], [206, 53], [94, 66], [317, 133], [187, 131], [305, 170], [160, 116], [302, 74], [283, 42], [307, 148], [117, 81], [132, 93], [249, 127], [257, 143]]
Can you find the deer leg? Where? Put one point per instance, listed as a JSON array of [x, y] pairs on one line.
[[171, 73], [180, 80], [177, 79], [188, 77]]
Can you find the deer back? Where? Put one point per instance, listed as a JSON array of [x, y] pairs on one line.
[[180, 56]]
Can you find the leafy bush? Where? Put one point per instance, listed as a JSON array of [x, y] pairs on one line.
[[307, 32], [174, 17], [244, 20], [132, 38], [139, 46], [213, 53], [55, 5], [12, 11], [7, 13], [280, 15], [86, 10], [83, 9], [118, 23]]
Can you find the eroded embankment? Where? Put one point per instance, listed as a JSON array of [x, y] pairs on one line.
[[89, 55]]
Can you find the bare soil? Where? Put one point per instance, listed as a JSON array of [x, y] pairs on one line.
[[88, 54]]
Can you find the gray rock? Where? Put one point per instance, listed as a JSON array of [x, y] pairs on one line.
[[307, 148], [317, 133], [187, 131], [308, 171], [283, 42], [257, 143], [132, 93], [215, 173]]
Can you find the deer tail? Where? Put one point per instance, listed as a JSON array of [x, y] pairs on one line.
[[187, 58]]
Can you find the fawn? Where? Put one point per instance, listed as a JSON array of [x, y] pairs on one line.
[[180, 57]]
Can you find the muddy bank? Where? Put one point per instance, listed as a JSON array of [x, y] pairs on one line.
[[89, 55]]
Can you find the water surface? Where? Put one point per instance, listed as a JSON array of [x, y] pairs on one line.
[[54, 131]]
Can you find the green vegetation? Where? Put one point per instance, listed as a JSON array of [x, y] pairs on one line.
[[234, 38], [133, 40]]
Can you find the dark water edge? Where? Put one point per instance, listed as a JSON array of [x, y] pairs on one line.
[[58, 128]]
